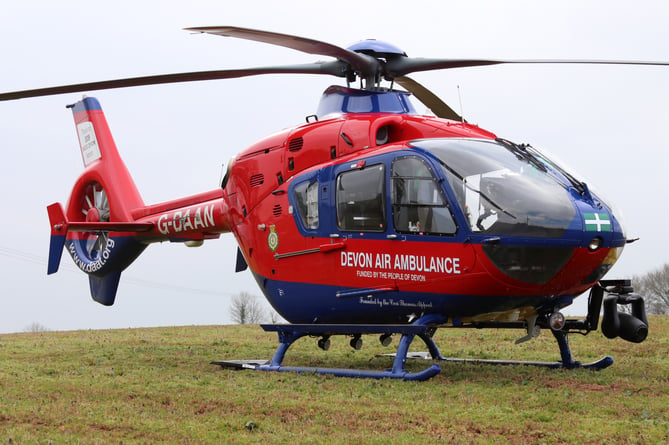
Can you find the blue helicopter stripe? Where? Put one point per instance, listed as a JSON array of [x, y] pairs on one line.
[[86, 104], [319, 303]]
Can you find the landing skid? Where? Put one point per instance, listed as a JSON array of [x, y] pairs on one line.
[[423, 328], [597, 365], [567, 361], [289, 333]]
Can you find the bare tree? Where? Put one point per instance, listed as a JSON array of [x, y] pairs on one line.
[[36, 327], [654, 287], [274, 316], [246, 309]]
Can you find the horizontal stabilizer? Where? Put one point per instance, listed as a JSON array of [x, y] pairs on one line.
[[108, 227], [60, 227]]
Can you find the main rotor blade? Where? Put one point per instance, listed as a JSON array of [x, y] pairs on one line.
[[361, 63], [428, 98], [401, 66], [334, 68]]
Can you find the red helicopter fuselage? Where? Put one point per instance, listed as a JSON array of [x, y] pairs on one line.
[[343, 265], [366, 217]]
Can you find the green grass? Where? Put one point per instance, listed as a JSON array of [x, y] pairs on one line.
[[157, 386]]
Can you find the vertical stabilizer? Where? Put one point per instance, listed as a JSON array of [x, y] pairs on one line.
[[103, 162], [58, 233], [97, 227]]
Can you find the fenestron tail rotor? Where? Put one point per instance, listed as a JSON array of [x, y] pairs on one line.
[[95, 208]]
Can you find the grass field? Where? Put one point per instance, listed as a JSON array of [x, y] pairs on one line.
[[157, 386]]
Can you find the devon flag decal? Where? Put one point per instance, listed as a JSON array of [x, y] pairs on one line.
[[597, 222]]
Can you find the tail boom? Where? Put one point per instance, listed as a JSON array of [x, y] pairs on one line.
[[202, 219]]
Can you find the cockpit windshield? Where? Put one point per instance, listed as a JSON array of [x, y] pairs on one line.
[[501, 189]]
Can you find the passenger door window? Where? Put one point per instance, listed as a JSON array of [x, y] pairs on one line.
[[418, 203], [361, 199]]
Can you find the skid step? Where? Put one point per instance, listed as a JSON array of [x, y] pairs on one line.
[[239, 364]]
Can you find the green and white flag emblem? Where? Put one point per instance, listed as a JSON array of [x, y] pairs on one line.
[[597, 222]]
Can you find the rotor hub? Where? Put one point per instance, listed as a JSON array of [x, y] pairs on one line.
[[93, 215], [376, 48]]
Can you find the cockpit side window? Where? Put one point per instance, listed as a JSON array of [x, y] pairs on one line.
[[361, 199], [418, 203], [306, 197]]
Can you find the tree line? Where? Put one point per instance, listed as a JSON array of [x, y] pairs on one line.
[[654, 287], [246, 308]]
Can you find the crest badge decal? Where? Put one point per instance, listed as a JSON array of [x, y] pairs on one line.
[[273, 238]]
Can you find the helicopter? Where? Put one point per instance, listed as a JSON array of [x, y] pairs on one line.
[[369, 218]]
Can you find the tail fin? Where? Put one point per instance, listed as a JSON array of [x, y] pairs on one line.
[[97, 227], [103, 162], [58, 232]]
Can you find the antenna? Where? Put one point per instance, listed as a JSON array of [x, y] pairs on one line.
[[462, 114]]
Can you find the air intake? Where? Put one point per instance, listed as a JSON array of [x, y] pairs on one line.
[[295, 144], [257, 180]]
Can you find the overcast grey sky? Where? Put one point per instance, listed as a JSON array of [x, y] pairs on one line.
[[608, 123]]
